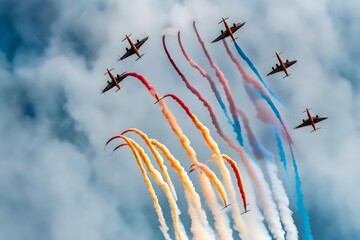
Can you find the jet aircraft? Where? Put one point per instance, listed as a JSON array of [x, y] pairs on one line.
[[282, 66], [134, 47], [311, 121], [114, 81], [229, 31]]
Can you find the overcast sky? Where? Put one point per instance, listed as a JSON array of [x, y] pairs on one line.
[[56, 180]]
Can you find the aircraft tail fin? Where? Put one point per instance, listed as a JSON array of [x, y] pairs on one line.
[[140, 56], [223, 20]]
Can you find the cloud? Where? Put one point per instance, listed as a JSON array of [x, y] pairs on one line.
[[56, 182]]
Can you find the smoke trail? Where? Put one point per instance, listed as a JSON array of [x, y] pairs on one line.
[[238, 178], [159, 180], [281, 150], [282, 201], [280, 195], [157, 156], [221, 221], [212, 177], [277, 186], [224, 83], [191, 195], [208, 77], [239, 223], [253, 68], [261, 92], [254, 144], [243, 155], [163, 227], [305, 220], [265, 199], [199, 95]]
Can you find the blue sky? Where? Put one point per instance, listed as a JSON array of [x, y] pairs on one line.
[[56, 180]]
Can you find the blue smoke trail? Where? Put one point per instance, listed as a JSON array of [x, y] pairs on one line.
[[305, 220], [300, 197], [253, 68], [280, 149], [222, 105]]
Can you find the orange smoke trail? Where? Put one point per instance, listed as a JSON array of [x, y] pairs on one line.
[[157, 156], [221, 221], [239, 223], [215, 181], [163, 227], [159, 180], [191, 195]]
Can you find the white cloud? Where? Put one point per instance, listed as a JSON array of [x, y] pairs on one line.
[[51, 188]]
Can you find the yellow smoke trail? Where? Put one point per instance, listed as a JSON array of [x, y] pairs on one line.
[[163, 227], [157, 156], [221, 221], [239, 223], [195, 208], [212, 177], [159, 180]]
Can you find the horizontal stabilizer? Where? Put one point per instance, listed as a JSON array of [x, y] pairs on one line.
[[307, 109], [140, 56], [315, 129], [223, 20], [287, 75], [107, 71], [126, 36]]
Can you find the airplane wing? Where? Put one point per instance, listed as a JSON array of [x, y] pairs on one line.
[[223, 35], [128, 53], [319, 119], [111, 84], [108, 87], [289, 63], [234, 28], [275, 70], [138, 44], [304, 124]]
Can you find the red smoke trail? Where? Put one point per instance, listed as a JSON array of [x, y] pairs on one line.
[[262, 114], [199, 96], [221, 221], [239, 224], [249, 79], [238, 178], [226, 87], [208, 77], [252, 139], [265, 199], [142, 79]]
